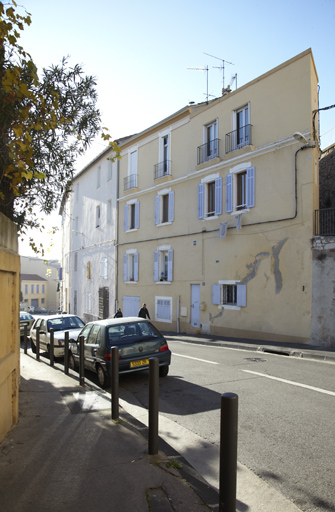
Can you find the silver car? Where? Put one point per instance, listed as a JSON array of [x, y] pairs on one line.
[[60, 324]]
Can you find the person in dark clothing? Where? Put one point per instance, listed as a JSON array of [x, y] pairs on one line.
[[118, 314], [143, 312]]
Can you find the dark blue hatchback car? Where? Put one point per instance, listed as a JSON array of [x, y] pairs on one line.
[[136, 338]]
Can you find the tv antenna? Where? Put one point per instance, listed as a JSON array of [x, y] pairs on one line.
[[221, 67], [202, 69]]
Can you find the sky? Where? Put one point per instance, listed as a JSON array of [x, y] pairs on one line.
[[140, 53]]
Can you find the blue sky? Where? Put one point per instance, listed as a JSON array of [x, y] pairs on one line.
[[140, 51]]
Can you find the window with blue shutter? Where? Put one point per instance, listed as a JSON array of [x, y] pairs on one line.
[[156, 265], [157, 210], [218, 196], [170, 264], [250, 187], [216, 295], [171, 206], [125, 267], [241, 295], [200, 201], [125, 217], [229, 193], [136, 266], [137, 215]]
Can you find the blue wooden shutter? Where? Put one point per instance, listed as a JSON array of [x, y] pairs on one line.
[[216, 294], [136, 266], [250, 187], [125, 267], [125, 217], [218, 196], [170, 264], [229, 193], [200, 201], [157, 210], [156, 265], [137, 215], [241, 295], [171, 206]]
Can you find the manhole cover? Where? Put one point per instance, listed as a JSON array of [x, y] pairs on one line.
[[255, 359]]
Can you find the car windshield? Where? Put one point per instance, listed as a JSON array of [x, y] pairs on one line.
[[122, 334], [25, 316], [65, 323]]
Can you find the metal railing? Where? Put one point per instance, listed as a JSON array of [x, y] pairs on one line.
[[130, 182], [208, 151], [237, 139], [324, 222], [162, 169]]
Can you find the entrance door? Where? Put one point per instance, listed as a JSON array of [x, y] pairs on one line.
[[195, 303], [131, 305]]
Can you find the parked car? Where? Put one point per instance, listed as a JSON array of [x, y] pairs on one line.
[[40, 310], [60, 324], [136, 338], [25, 319]]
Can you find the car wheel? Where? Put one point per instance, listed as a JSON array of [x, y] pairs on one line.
[[163, 371], [72, 362], [33, 346], [102, 377]]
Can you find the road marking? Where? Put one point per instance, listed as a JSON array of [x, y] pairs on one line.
[[195, 358], [298, 384]]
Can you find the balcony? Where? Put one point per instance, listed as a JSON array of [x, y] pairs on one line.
[[130, 182], [208, 151], [324, 222], [239, 138], [162, 169]]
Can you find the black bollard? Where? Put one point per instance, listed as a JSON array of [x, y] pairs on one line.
[[52, 347], [37, 343], [81, 361], [115, 382], [153, 404], [25, 336], [66, 353], [228, 452]]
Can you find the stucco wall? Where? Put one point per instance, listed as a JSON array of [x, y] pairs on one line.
[[9, 325], [323, 292]]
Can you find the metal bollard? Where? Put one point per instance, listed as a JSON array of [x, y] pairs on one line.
[[115, 382], [66, 353], [52, 347], [81, 361], [37, 343], [25, 336], [228, 452], [153, 404]]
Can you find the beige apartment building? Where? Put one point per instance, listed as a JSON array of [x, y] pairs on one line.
[[216, 207]]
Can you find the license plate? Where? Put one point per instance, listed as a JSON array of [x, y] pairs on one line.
[[141, 362]]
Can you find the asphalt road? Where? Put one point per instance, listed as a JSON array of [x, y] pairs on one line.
[[286, 413]]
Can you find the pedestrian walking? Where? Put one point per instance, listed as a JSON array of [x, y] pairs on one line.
[[118, 314], [143, 312]]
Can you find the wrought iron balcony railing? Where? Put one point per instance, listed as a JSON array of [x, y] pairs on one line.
[[324, 222], [239, 138], [130, 182], [208, 151], [162, 169]]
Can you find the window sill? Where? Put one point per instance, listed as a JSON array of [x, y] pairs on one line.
[[227, 306], [163, 282], [130, 282], [163, 224], [211, 217], [237, 212], [131, 230]]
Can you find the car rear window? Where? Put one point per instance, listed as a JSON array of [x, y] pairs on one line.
[[25, 316], [123, 334], [65, 323]]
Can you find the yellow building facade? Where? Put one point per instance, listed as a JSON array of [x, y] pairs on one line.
[[216, 209]]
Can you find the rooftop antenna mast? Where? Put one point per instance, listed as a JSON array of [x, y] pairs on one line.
[[202, 69], [221, 67]]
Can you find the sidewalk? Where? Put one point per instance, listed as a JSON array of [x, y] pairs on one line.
[[67, 454]]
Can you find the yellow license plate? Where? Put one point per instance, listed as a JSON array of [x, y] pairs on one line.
[[141, 362]]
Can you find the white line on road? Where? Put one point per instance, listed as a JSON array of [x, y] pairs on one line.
[[298, 384], [195, 358]]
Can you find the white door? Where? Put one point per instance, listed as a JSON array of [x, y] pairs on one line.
[[131, 305], [195, 303]]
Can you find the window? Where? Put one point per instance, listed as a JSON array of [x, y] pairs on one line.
[[32, 288], [75, 261], [132, 215], [109, 170], [98, 176], [242, 127], [164, 207], [97, 216], [133, 162], [130, 266], [25, 288], [88, 270], [43, 288], [210, 197], [42, 301], [88, 303], [163, 309], [76, 194], [103, 268], [240, 189], [109, 211], [211, 141], [229, 294], [165, 143], [163, 264], [37, 288]]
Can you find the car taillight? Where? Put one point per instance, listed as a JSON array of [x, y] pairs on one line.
[[164, 348], [108, 357]]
